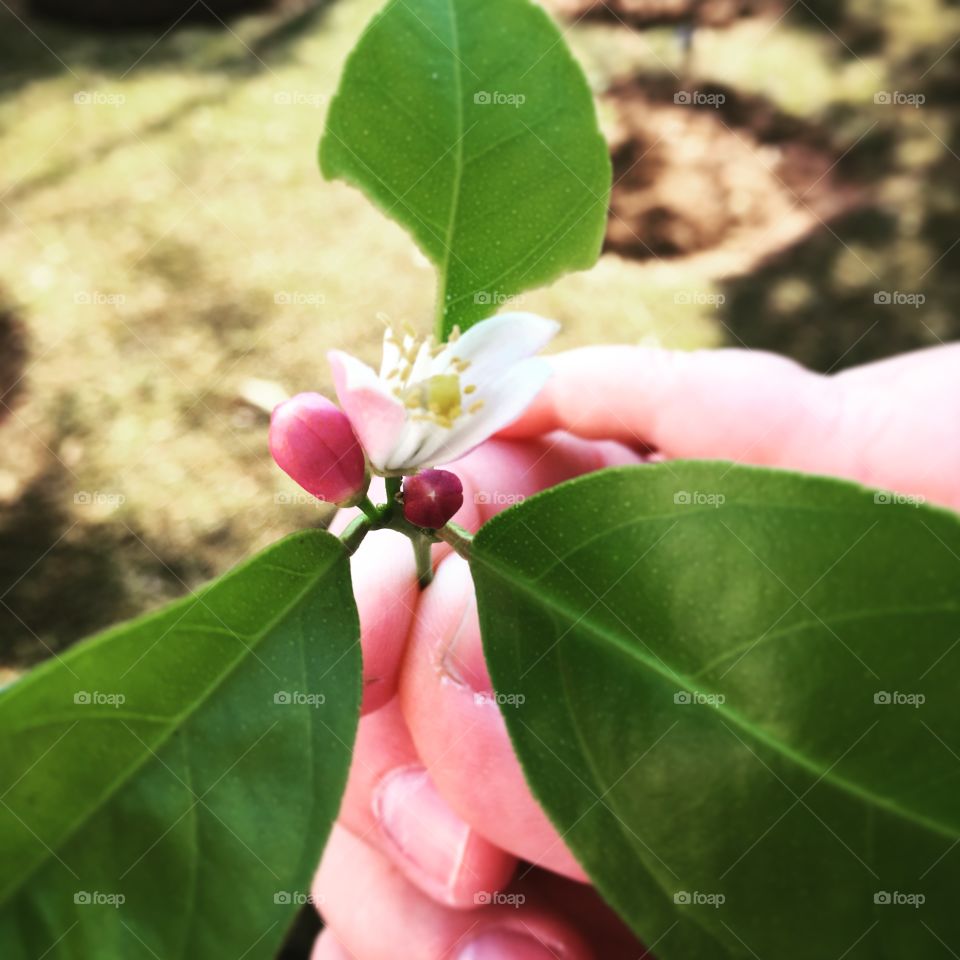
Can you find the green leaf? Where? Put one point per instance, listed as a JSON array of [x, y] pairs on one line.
[[470, 124], [168, 786], [723, 670]]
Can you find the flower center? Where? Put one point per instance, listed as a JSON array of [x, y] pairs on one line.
[[437, 398], [440, 397]]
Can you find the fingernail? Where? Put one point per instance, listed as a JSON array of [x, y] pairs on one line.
[[506, 945], [429, 839], [461, 656]]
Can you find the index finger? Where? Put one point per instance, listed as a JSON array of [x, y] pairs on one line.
[[725, 404]]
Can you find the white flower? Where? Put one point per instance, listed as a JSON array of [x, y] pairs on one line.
[[433, 402]]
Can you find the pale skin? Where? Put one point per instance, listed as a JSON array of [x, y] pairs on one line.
[[437, 816]]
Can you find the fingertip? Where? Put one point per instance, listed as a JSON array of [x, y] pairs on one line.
[[458, 730], [385, 586], [593, 392]]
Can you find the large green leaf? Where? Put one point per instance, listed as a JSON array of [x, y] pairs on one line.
[[469, 123], [722, 670], [189, 763]]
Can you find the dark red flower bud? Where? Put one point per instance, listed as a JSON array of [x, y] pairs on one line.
[[431, 498]]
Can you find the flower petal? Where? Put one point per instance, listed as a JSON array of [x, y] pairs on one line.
[[503, 401], [377, 417], [407, 453], [501, 341]]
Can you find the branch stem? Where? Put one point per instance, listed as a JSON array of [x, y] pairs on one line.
[[353, 536], [421, 550], [461, 540], [371, 512]]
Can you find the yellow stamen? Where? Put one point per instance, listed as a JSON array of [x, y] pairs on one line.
[[437, 399]]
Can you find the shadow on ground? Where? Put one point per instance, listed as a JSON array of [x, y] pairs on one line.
[[34, 46], [60, 579]]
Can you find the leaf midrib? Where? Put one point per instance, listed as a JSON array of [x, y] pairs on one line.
[[443, 270], [175, 724], [514, 578], [575, 215]]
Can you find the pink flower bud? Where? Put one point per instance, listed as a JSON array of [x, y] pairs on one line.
[[312, 441], [431, 498]]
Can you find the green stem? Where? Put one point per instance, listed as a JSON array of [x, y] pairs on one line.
[[461, 540], [393, 485], [353, 536], [372, 513], [421, 550]]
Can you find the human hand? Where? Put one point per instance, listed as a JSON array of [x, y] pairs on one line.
[[416, 854]]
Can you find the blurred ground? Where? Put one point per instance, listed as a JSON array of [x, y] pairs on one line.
[[165, 238]]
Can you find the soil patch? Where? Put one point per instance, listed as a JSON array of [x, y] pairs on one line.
[[709, 172], [642, 14]]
